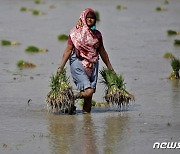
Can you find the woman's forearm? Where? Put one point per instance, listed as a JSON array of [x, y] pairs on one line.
[[66, 56], [105, 58]]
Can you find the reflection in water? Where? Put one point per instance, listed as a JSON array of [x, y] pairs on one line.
[[61, 130], [175, 83], [175, 93], [72, 134], [114, 133], [89, 140], [175, 104], [80, 134]]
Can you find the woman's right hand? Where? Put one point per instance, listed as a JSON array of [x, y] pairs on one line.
[[59, 70]]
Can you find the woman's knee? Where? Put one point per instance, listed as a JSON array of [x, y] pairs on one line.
[[89, 92]]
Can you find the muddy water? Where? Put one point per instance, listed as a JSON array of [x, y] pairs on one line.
[[135, 40]]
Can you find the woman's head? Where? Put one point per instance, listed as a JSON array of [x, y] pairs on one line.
[[91, 18], [82, 34], [88, 17]]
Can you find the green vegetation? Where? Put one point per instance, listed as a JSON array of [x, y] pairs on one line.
[[62, 37], [61, 98], [8, 43], [24, 64], [172, 32], [34, 49], [166, 2], [158, 8], [175, 64], [5, 42], [168, 55], [120, 7], [176, 42], [36, 12], [115, 88], [37, 1], [23, 9], [97, 16]]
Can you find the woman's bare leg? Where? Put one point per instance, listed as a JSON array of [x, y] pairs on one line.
[[87, 95], [87, 105], [87, 92]]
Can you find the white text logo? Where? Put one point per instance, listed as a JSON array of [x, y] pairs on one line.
[[166, 145]]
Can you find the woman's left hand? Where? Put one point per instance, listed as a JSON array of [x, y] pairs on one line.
[[59, 70]]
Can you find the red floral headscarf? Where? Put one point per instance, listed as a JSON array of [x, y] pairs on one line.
[[85, 41]]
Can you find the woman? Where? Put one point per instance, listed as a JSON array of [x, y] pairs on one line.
[[84, 46]]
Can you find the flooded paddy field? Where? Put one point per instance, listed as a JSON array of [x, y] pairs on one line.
[[135, 39]]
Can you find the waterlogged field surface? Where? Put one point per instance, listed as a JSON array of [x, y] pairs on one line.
[[136, 41]]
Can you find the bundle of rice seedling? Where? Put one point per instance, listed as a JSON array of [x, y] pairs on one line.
[[172, 32], [34, 49], [36, 12], [158, 8], [168, 55], [24, 64], [175, 64], [116, 93], [176, 42], [7, 42], [120, 7], [62, 37], [37, 1], [166, 2], [61, 98], [23, 9]]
